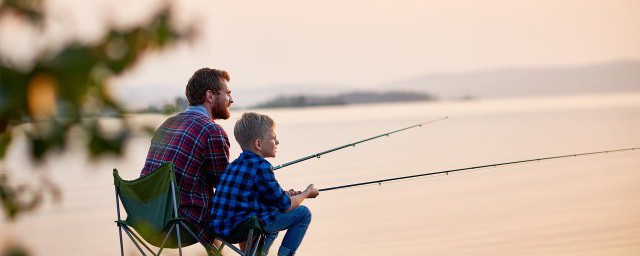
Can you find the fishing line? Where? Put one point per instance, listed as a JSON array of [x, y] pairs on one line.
[[379, 182], [353, 144]]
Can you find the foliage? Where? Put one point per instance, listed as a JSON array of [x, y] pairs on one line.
[[68, 87], [15, 250], [180, 104]]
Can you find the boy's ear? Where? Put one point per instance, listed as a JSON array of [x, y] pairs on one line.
[[257, 144]]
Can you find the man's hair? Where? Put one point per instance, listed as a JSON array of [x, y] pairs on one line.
[[203, 80], [252, 126]]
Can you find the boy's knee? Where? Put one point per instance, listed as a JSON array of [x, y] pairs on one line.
[[305, 213]]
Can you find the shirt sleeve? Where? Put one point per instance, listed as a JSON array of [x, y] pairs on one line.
[[218, 155], [270, 191]]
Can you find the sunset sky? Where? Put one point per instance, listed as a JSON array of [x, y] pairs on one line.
[[576, 206], [364, 43]]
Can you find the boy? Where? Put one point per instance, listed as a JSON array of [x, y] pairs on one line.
[[248, 188]]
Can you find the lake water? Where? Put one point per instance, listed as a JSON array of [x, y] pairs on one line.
[[573, 206]]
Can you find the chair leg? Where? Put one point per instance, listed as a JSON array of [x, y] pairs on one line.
[[233, 247], [140, 240], [119, 225], [247, 250], [121, 246], [175, 214], [166, 238], [256, 246], [179, 243], [211, 249], [135, 243]]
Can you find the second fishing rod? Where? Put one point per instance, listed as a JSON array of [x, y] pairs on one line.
[[353, 144], [447, 172]]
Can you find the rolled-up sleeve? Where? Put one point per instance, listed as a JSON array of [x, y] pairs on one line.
[[270, 191]]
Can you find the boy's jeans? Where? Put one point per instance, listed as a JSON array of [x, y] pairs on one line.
[[295, 222]]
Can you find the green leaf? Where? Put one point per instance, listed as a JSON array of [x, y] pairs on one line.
[[5, 139]]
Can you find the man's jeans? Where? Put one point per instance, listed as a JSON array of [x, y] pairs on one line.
[[295, 222]]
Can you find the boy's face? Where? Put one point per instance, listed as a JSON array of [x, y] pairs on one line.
[[269, 144]]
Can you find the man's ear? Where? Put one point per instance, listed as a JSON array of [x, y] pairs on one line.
[[209, 96], [257, 144]]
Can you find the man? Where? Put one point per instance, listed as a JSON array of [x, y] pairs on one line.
[[197, 146]]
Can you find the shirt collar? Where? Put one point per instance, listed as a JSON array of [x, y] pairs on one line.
[[198, 109], [248, 154]]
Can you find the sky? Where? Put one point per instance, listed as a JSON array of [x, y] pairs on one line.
[[357, 44]]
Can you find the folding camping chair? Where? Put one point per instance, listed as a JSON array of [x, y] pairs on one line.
[[152, 211]]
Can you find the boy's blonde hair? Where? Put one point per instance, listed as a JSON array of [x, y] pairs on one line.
[[252, 126]]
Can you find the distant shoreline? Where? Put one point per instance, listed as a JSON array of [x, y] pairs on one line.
[[618, 76], [352, 98]]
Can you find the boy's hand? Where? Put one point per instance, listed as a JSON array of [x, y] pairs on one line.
[[312, 191], [292, 192]]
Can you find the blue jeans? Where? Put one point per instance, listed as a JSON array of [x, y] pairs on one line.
[[295, 222]]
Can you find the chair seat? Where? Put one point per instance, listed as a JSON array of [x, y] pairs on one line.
[[241, 232]]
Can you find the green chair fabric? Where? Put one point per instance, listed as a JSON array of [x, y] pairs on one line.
[[151, 205], [148, 202]]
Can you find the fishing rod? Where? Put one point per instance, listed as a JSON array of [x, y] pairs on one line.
[[317, 155], [379, 182]]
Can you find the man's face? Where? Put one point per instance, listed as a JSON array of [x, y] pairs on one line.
[[221, 102]]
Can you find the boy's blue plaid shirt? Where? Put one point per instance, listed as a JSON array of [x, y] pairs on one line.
[[248, 187]]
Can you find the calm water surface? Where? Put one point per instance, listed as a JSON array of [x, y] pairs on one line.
[[576, 206]]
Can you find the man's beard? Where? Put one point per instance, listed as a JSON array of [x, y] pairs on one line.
[[221, 112]]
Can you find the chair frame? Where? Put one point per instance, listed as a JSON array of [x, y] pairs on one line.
[[251, 248]]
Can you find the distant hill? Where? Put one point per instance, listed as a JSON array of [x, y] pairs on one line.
[[621, 76], [613, 77], [342, 99]]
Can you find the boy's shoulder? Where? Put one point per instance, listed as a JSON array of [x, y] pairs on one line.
[[249, 161]]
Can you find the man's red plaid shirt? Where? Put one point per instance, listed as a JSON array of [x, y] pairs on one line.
[[199, 151]]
